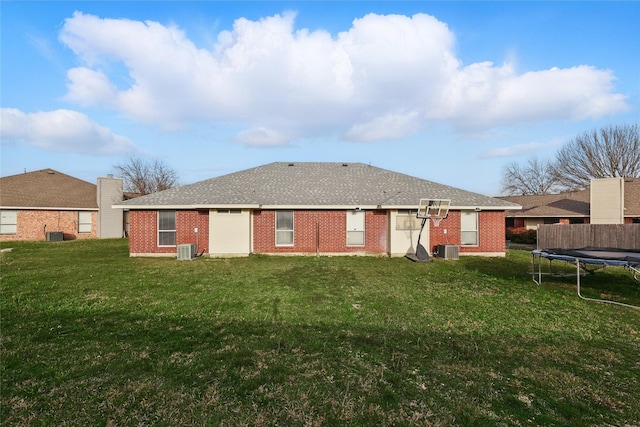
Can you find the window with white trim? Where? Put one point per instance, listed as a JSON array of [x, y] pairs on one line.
[[8, 222], [85, 222], [284, 228], [406, 220], [469, 228], [355, 228], [229, 211], [166, 228]]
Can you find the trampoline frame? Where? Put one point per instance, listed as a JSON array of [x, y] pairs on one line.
[[581, 263]]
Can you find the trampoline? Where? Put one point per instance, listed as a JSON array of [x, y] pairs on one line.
[[588, 260]]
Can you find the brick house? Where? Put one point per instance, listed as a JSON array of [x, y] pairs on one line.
[[50, 205], [312, 208], [607, 200]]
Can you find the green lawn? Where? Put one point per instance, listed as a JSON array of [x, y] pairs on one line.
[[92, 337]]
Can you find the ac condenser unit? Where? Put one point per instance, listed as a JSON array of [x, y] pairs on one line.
[[448, 251], [186, 252], [54, 236]]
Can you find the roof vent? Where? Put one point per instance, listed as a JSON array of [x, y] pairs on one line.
[[345, 164], [291, 164]]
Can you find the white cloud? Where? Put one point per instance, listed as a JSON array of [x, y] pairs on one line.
[[391, 126], [281, 82], [514, 150], [91, 88], [521, 149], [60, 130], [261, 137]]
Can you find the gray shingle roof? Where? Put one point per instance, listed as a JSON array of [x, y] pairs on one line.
[[632, 197], [572, 204], [314, 184], [47, 188]]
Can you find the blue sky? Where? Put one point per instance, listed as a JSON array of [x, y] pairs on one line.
[[446, 91]]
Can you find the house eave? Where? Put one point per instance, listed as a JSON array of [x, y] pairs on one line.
[[46, 208], [185, 207], [486, 208], [351, 206]]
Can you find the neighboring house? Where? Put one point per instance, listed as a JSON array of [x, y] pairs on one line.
[[607, 200], [312, 208], [49, 205]]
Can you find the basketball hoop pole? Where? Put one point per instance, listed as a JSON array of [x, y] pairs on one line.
[[421, 252]]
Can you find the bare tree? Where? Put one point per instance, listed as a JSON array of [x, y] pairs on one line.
[[536, 177], [146, 177], [612, 151]]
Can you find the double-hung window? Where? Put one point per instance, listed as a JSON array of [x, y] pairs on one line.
[[469, 228], [166, 228], [84, 222], [406, 220], [284, 228], [355, 228], [8, 222]]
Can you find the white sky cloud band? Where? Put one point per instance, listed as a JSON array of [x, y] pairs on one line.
[[382, 79], [60, 130]]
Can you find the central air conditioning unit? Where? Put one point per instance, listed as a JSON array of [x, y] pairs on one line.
[[186, 252], [54, 236], [448, 251]]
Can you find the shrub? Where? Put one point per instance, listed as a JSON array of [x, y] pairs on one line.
[[521, 235]]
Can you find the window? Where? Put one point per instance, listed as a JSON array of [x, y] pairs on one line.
[[469, 228], [230, 211], [355, 228], [8, 222], [284, 228], [406, 220], [166, 228], [84, 222]]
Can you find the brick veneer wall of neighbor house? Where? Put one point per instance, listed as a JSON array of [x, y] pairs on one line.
[[143, 237], [491, 236], [331, 226], [31, 225]]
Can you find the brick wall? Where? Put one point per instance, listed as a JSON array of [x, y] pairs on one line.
[[327, 228], [143, 234], [491, 232], [31, 224]]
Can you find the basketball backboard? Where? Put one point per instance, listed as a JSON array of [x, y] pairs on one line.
[[434, 209]]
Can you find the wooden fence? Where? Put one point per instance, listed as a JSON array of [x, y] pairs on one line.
[[575, 236]]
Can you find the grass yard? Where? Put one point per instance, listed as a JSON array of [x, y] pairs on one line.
[[92, 337]]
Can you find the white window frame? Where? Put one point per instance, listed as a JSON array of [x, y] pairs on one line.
[[167, 231], [85, 226], [406, 220], [8, 222], [229, 211], [355, 228], [282, 231], [469, 225]]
